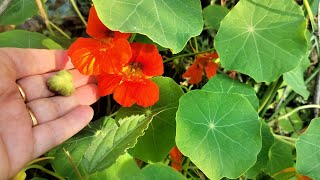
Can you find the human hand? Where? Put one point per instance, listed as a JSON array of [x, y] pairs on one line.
[[58, 117]]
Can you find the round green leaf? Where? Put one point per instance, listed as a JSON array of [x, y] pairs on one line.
[[308, 151], [223, 83], [26, 39], [219, 132], [160, 172], [158, 139], [169, 23], [262, 39], [213, 14], [17, 11]]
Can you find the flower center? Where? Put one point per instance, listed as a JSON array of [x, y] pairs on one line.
[[133, 71]]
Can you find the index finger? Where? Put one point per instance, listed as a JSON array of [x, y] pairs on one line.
[[36, 61]]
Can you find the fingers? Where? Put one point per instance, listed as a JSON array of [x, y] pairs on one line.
[[35, 87], [29, 62], [53, 133], [48, 109]]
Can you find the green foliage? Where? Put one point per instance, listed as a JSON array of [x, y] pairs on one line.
[[26, 39], [308, 151], [17, 11], [263, 156], [262, 39], [97, 147], [159, 138], [280, 158], [212, 128], [160, 172], [213, 15], [286, 125], [223, 83], [169, 23]]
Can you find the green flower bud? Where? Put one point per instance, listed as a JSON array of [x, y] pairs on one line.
[[61, 83]]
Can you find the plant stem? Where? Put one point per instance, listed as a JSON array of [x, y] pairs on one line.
[[186, 55], [196, 43], [45, 170], [44, 16], [132, 37], [76, 170], [74, 4], [60, 30], [269, 95], [282, 139], [298, 109], [286, 138], [40, 159], [310, 14]]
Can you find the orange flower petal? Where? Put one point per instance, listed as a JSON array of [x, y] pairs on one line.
[[213, 55], [211, 69], [107, 83], [194, 73], [125, 93], [149, 57], [176, 156], [116, 57], [98, 30], [145, 93], [84, 54]]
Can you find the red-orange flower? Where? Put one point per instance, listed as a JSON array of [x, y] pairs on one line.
[[176, 157], [202, 62], [130, 80], [92, 55]]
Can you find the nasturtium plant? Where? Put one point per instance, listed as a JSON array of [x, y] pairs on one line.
[[189, 89], [160, 136], [169, 23], [16, 11], [214, 129], [26, 39], [262, 39], [222, 83], [308, 151]]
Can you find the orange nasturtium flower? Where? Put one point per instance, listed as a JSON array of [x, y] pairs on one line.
[[202, 62], [91, 56], [176, 156], [129, 81]]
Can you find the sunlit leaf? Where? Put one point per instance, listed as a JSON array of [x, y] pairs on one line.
[[223, 83], [262, 39], [159, 138], [169, 23], [219, 132]]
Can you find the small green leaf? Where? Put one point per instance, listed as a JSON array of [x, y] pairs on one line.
[[109, 144], [223, 83], [285, 124], [144, 39], [308, 151], [169, 23], [263, 156], [219, 132], [280, 158], [160, 172], [159, 137], [213, 15], [26, 39], [78, 145], [262, 39], [62, 83], [18, 11]]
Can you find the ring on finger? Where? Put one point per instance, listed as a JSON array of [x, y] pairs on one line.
[[33, 117], [22, 93]]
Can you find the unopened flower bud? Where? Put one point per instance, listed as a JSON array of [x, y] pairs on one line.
[[61, 83]]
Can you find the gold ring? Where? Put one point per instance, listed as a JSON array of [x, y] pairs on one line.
[[23, 95], [33, 117]]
